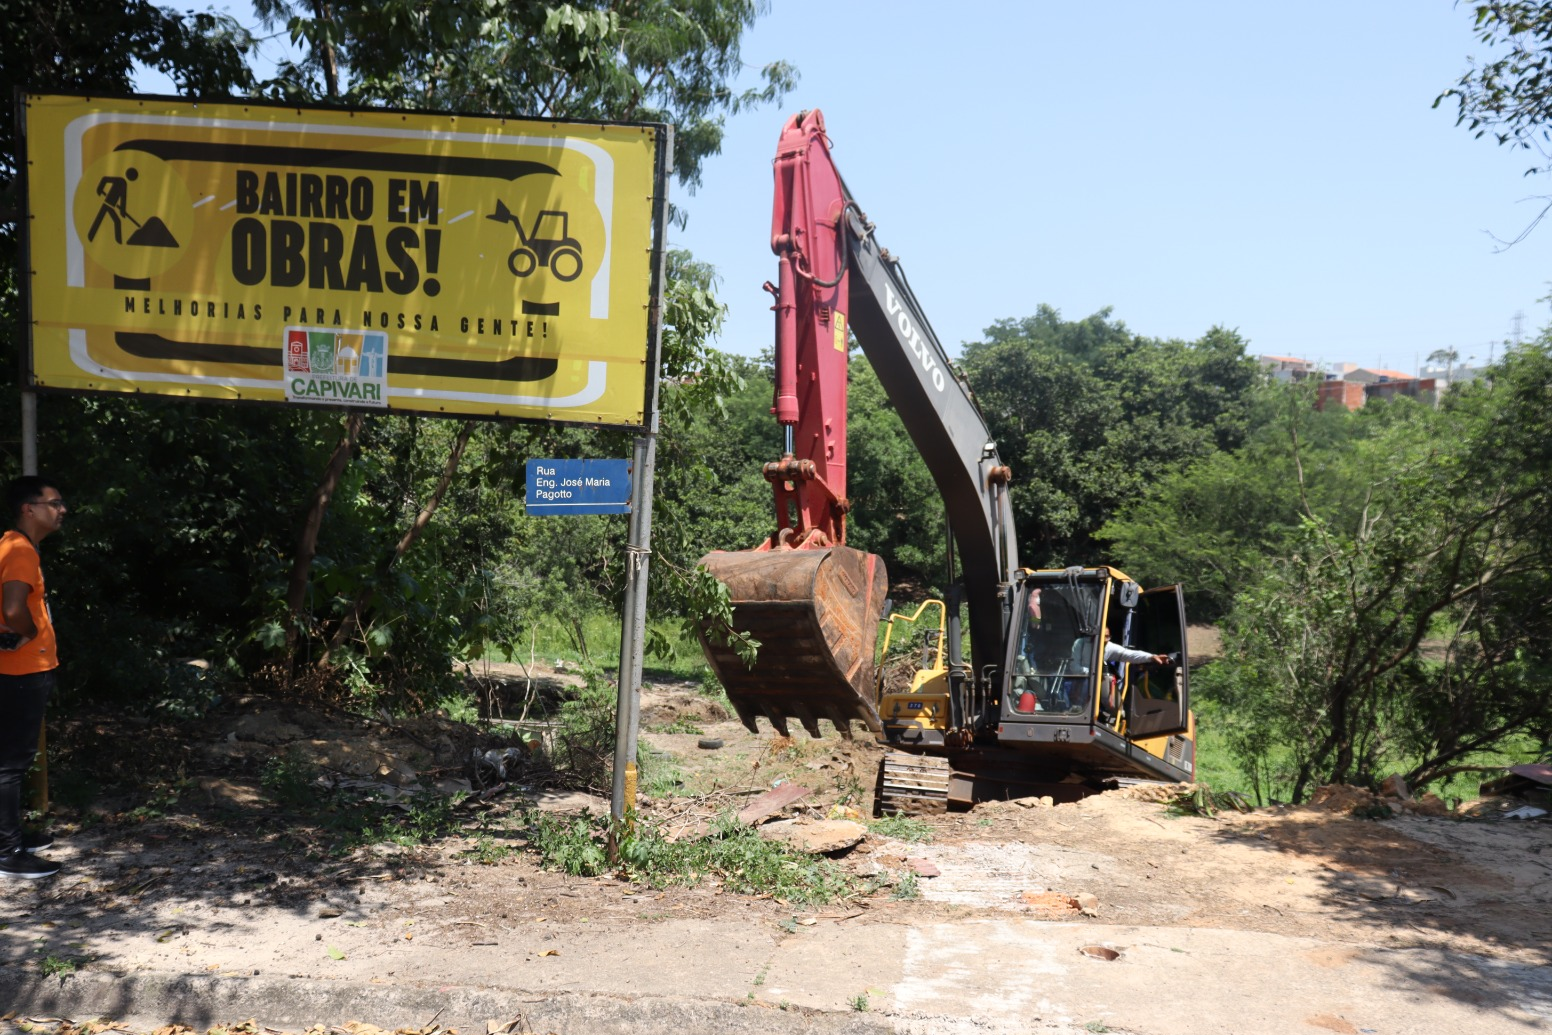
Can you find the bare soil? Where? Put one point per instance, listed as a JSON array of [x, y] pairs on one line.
[[197, 830]]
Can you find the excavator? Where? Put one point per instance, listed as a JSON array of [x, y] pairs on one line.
[[1076, 677]]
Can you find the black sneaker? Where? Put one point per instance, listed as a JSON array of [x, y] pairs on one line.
[[26, 866], [36, 842]]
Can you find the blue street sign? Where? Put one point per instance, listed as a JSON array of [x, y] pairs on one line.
[[578, 487]]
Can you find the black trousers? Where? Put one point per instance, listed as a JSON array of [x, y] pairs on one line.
[[22, 701]]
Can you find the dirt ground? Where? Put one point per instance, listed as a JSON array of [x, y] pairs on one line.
[[208, 835]]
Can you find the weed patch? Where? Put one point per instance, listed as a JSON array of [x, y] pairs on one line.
[[659, 776], [733, 854], [902, 828], [62, 966], [679, 725], [487, 852], [288, 780]]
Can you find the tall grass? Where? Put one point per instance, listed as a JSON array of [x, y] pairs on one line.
[[595, 640]]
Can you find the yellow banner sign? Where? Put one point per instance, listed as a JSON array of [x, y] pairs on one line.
[[436, 263]]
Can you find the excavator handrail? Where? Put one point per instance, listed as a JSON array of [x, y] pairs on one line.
[[939, 646]]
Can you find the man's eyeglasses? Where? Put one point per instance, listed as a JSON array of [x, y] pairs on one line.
[[56, 504]]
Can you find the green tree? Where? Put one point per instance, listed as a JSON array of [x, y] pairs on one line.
[[1401, 623], [1212, 525], [1089, 415], [1510, 96], [667, 61]]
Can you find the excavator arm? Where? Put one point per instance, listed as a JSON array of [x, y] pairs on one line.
[[940, 414], [812, 601]]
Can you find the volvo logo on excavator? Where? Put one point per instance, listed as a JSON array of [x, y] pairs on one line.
[[910, 336]]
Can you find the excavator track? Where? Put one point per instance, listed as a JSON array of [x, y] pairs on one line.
[[912, 784]]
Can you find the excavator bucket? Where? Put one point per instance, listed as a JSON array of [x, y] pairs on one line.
[[815, 614]]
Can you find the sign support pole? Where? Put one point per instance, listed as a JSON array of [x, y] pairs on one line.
[[633, 629], [29, 432], [633, 622], [38, 786]]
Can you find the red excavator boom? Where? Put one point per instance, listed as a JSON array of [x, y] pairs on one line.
[[811, 294], [811, 601]]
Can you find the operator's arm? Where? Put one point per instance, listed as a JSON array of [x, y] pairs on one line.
[[1115, 652], [13, 606]]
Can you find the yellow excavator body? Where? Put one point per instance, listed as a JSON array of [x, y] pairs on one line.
[[925, 703]]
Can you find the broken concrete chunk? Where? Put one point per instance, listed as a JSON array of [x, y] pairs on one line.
[[266, 728], [1395, 786], [818, 836]]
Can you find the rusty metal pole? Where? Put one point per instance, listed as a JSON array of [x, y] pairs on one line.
[[633, 622], [29, 432], [627, 716], [37, 785]]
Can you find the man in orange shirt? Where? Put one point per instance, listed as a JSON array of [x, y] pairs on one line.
[[27, 663]]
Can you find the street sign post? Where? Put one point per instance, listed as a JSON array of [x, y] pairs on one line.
[[578, 487]]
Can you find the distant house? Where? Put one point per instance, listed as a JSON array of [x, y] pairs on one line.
[[1289, 368], [1423, 389], [1347, 394], [1366, 376], [1352, 393]]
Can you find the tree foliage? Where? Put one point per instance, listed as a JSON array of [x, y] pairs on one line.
[[669, 61], [1383, 574], [1089, 414], [1510, 95], [1213, 524]]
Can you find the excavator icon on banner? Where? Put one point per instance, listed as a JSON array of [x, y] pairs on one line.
[[545, 244]]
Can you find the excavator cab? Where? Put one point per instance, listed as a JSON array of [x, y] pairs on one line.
[[1083, 684]]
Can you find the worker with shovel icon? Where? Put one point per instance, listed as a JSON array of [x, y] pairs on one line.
[[114, 191]]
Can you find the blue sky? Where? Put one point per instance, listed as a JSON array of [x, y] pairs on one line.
[[1276, 169]]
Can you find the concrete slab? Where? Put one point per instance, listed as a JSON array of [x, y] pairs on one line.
[[979, 975]]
